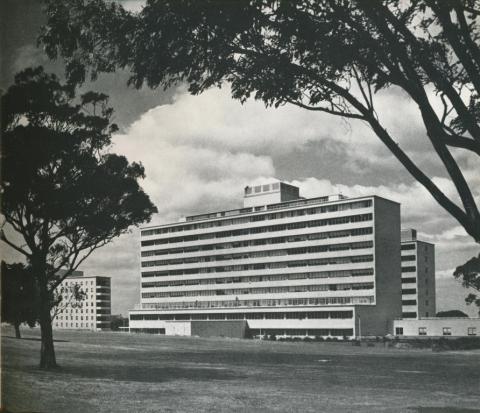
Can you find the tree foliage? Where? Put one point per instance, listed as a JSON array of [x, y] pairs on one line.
[[63, 193], [329, 56], [452, 313], [19, 296], [469, 273], [71, 296]]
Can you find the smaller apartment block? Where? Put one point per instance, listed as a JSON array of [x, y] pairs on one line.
[[418, 276], [92, 313]]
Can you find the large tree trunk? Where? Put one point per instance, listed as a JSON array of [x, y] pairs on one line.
[[16, 325], [47, 350]]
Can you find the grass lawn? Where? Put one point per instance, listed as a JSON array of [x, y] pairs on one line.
[[119, 372]]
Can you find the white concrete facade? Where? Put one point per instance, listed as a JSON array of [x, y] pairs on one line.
[[438, 326], [418, 276], [327, 266], [93, 313]]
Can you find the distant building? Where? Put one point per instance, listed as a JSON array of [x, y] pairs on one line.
[[92, 313], [438, 326], [418, 276], [284, 265]]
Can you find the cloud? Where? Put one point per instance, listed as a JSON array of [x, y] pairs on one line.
[[200, 151]]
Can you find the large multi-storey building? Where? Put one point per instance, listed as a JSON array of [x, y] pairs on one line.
[[92, 312], [287, 266], [418, 276]]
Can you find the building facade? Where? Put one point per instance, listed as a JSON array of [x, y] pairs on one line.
[[418, 276], [327, 266], [93, 312], [438, 326]]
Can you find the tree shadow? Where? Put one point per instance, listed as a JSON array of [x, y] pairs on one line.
[[445, 409], [34, 339], [148, 374]]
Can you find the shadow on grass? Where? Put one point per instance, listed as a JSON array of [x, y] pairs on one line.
[[34, 339], [446, 409], [144, 374]]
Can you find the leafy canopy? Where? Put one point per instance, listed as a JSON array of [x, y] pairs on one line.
[[19, 295], [329, 56], [63, 192]]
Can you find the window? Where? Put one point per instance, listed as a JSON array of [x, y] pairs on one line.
[[399, 331], [422, 331], [472, 331], [447, 331]]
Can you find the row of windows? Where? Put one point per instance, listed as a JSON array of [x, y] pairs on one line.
[[408, 258], [261, 278], [76, 310], [82, 325], [74, 283], [326, 332], [266, 290], [261, 303], [256, 218], [76, 317], [312, 332], [261, 266], [270, 265], [446, 331], [409, 269], [409, 302], [251, 243], [247, 316], [272, 228], [261, 254], [409, 291], [406, 247], [76, 325]]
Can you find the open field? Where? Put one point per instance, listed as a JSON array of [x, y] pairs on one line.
[[119, 372]]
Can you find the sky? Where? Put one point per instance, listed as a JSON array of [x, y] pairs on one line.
[[199, 152]]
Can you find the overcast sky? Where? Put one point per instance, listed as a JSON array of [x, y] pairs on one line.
[[200, 151]]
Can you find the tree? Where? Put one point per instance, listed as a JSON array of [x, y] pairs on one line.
[[329, 56], [63, 193], [118, 321], [469, 273], [19, 296], [452, 313]]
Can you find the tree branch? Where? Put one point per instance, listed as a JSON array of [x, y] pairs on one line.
[[12, 245], [330, 111]]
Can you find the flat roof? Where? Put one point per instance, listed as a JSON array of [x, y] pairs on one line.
[[265, 209]]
